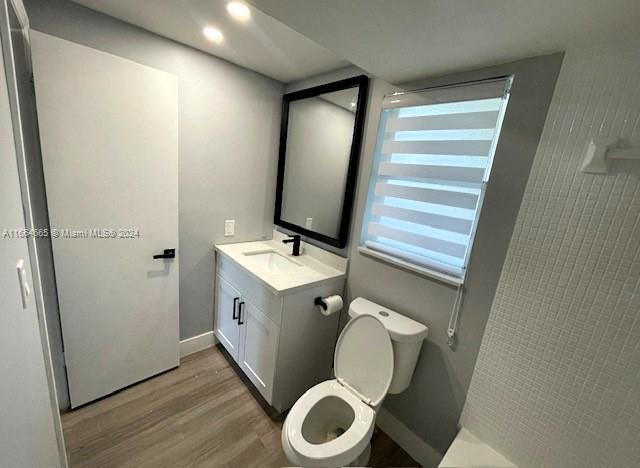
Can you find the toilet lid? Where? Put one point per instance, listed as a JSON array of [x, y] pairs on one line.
[[364, 358]]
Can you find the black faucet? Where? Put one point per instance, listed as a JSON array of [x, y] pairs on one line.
[[296, 244]]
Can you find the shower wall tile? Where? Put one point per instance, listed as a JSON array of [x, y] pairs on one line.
[[557, 381]]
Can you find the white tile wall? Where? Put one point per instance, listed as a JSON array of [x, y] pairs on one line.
[[557, 381]]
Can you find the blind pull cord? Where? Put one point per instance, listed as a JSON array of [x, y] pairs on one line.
[[453, 320]]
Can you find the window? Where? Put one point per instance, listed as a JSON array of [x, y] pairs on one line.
[[432, 163]]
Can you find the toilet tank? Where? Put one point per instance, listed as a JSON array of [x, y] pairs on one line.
[[406, 335]]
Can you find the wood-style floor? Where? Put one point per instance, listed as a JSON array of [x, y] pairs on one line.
[[199, 415]]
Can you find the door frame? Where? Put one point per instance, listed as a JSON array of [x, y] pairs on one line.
[[12, 89]]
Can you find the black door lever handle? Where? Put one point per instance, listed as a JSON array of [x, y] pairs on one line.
[[168, 253]]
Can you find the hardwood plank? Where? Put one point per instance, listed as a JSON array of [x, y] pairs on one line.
[[202, 414]]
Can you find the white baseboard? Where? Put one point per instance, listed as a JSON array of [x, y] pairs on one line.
[[419, 450], [197, 343]]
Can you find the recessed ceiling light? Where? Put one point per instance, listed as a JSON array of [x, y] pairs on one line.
[[239, 11], [353, 104], [213, 34]]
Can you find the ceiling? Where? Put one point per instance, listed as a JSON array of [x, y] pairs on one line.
[[343, 98], [404, 40], [261, 44]]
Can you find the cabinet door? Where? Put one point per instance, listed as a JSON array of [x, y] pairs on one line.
[[227, 329], [258, 347]]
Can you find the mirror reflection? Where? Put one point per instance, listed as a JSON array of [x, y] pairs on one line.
[[320, 133]]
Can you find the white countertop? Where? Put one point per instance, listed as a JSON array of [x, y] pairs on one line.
[[311, 268]]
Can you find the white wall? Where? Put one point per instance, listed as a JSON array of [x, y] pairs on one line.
[[229, 122], [558, 375], [30, 428]]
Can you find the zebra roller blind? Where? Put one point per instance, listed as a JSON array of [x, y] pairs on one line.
[[433, 160]]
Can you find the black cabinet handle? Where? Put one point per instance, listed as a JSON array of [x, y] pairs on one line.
[[235, 302], [168, 253], [240, 322]]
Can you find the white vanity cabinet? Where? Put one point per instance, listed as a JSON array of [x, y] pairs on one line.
[[258, 347], [250, 337], [227, 326], [279, 340]]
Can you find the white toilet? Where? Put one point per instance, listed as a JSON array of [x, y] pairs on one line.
[[332, 423]]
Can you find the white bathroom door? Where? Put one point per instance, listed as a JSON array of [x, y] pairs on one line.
[[27, 418], [109, 132]]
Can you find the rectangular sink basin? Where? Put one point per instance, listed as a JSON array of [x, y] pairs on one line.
[[272, 260]]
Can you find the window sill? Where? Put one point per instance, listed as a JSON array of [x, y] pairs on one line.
[[411, 267]]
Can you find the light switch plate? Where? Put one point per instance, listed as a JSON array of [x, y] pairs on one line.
[[229, 227], [309, 223]]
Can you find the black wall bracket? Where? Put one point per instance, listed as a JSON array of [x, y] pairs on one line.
[[319, 302]]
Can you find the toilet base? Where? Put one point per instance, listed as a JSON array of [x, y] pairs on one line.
[[363, 458]]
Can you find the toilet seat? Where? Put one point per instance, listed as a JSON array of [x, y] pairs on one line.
[[337, 452], [363, 360], [363, 363]]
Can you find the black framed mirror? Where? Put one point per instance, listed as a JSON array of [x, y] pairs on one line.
[[320, 140]]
